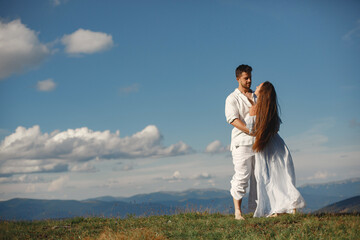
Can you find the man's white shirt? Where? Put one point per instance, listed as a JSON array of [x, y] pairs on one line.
[[237, 105]]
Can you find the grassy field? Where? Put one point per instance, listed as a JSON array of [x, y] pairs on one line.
[[188, 226]]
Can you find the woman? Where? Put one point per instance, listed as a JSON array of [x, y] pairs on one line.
[[274, 169]]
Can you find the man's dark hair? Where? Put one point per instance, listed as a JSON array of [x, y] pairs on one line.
[[242, 68]]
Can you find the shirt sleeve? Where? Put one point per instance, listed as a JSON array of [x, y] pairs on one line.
[[231, 109]]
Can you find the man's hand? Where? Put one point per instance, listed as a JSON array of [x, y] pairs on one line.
[[252, 110]]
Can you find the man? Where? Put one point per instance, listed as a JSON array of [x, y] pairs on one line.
[[237, 107]]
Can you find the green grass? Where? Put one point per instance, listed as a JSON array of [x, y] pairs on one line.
[[188, 226]]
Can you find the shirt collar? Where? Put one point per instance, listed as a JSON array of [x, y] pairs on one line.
[[244, 98]]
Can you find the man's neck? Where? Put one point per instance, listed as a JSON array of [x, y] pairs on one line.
[[244, 90]]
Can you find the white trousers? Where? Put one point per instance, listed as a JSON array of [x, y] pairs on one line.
[[244, 165]]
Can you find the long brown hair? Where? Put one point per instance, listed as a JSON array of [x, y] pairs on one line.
[[267, 116]]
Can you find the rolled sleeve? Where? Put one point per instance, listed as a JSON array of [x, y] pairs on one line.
[[231, 109]]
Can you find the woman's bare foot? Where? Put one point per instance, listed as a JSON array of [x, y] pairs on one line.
[[238, 216], [274, 215], [294, 211]]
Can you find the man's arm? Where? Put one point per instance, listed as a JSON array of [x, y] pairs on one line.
[[232, 114], [240, 125]]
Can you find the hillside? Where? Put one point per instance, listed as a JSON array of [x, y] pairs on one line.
[[350, 205], [321, 195], [188, 226]]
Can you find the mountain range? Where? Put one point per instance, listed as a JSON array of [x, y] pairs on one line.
[[317, 197]]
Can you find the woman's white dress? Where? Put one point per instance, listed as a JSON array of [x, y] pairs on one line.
[[275, 176]]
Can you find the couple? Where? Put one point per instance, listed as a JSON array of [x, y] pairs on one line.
[[259, 153]]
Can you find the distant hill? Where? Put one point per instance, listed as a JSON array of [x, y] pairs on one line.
[[210, 193], [345, 188], [212, 200], [34, 209], [350, 205], [317, 196], [320, 195]]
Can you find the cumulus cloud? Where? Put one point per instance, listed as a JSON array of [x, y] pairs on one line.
[[204, 176], [176, 177], [86, 41], [216, 147], [20, 48], [29, 150], [46, 85]]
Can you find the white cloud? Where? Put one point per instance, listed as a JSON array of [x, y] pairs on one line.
[[321, 175], [176, 177], [20, 48], [46, 85], [204, 175], [15, 166], [58, 184], [29, 150], [216, 147], [86, 41]]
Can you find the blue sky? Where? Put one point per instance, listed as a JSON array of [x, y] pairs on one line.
[[126, 97]]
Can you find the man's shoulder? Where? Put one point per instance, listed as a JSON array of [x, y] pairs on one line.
[[236, 95], [233, 93], [231, 97]]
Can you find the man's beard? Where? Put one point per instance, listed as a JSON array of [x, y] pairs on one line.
[[246, 86]]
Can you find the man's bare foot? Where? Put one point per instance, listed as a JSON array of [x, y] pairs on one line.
[[294, 211], [238, 216]]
